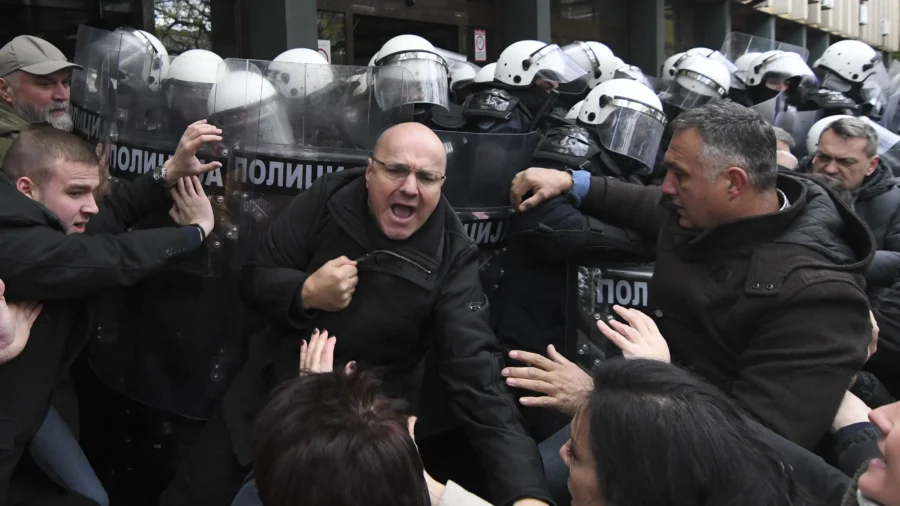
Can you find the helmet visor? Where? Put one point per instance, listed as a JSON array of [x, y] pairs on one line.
[[555, 69], [690, 90], [633, 130], [424, 81], [738, 44]]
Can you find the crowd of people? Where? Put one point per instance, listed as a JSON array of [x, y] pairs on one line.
[[762, 367]]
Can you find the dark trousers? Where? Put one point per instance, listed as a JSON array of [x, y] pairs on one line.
[[210, 474]]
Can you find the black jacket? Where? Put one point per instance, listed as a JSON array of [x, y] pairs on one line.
[[878, 204], [424, 294], [38, 261], [771, 308]]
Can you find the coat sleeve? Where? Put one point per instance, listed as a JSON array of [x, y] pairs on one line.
[[272, 281], [886, 308], [884, 270], [129, 203], [469, 361], [625, 205], [42, 263], [802, 358]]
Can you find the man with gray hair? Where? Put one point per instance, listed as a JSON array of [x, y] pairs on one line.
[[758, 283], [34, 87], [847, 152]]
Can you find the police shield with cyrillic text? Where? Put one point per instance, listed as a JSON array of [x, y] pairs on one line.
[[93, 89], [480, 169], [179, 364]]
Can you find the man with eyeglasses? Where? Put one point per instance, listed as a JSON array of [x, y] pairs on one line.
[[847, 152], [378, 258]]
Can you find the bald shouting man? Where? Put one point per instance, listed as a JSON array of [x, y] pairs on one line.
[[378, 258]]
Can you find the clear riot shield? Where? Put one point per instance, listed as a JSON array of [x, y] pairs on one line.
[[890, 118], [798, 124], [173, 341], [93, 89], [592, 292], [737, 44], [285, 138], [480, 170], [888, 146]]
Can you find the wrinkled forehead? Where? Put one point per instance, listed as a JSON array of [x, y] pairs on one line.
[[425, 154], [836, 145]]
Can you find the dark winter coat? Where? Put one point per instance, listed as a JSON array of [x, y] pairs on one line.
[[38, 261], [424, 294], [878, 204], [771, 308]]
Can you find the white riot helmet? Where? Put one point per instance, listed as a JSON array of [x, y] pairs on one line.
[[634, 73], [421, 76], [713, 55], [852, 60], [524, 63], [628, 119], [245, 106], [574, 111], [595, 58], [854, 68], [486, 74], [195, 66], [779, 66], [674, 62], [697, 81], [299, 72], [190, 80], [667, 73], [462, 74], [142, 54], [744, 64]]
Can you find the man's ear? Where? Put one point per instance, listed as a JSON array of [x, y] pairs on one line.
[[6, 91], [873, 165], [737, 180], [370, 171], [27, 187]]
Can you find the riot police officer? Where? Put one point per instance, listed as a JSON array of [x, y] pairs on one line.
[[856, 70], [617, 134], [186, 88], [529, 77], [425, 73]]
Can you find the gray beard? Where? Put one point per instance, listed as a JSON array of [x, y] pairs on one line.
[[34, 115]]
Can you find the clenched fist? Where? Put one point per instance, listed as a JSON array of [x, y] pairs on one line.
[[331, 287]]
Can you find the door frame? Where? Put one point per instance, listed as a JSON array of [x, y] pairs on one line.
[[485, 14]]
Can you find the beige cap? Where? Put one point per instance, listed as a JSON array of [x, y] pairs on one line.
[[33, 55]]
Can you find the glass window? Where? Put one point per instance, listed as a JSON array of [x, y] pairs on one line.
[[598, 20], [183, 24], [332, 27]]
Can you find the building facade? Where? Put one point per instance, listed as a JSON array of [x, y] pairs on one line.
[[642, 32]]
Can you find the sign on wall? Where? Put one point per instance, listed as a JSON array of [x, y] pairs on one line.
[[480, 45], [325, 49]]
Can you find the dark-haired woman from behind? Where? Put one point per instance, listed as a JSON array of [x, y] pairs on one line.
[[650, 433]]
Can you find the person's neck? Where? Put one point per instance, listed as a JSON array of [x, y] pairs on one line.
[[757, 204]]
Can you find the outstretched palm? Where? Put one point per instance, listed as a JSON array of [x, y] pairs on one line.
[[16, 319]]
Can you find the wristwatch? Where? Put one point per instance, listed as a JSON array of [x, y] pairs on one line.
[[159, 175]]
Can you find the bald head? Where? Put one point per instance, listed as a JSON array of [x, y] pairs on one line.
[[413, 138]]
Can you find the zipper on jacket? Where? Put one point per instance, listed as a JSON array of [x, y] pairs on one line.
[[395, 255]]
